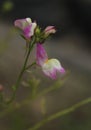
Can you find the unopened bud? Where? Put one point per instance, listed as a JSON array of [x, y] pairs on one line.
[[37, 31], [49, 30]]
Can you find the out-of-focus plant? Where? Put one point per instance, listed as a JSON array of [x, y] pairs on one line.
[[34, 36], [7, 6]]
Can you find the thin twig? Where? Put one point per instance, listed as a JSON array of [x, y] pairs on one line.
[[12, 107], [60, 113]]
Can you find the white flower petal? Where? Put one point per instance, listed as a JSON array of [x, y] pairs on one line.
[[22, 23], [33, 26], [26, 26], [51, 67], [29, 20]]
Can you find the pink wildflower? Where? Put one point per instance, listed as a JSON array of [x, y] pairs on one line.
[[27, 26], [50, 67]]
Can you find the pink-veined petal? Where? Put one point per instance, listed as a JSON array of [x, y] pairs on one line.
[[22, 23], [41, 55], [29, 30], [26, 26], [51, 67]]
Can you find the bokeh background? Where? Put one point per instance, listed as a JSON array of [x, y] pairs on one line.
[[71, 45]]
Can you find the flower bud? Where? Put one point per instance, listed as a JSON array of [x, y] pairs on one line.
[[37, 31], [49, 30]]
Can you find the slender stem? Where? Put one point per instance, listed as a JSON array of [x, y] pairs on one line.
[[29, 66], [57, 85], [19, 78], [21, 72], [60, 113], [25, 102]]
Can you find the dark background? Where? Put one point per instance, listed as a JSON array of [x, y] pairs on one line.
[[69, 15]]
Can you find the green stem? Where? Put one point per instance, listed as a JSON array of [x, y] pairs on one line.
[[25, 102], [29, 66], [60, 113], [21, 73], [19, 79]]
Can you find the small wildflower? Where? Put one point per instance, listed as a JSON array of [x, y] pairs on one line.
[[27, 26], [50, 67]]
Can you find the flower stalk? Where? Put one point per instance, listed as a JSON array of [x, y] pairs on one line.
[[33, 34], [24, 68]]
